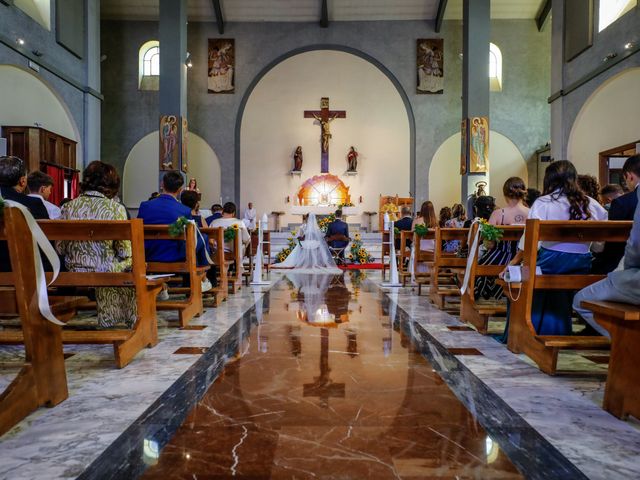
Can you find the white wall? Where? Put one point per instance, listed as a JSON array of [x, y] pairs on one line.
[[273, 125], [141, 174], [26, 100], [608, 119], [505, 160]]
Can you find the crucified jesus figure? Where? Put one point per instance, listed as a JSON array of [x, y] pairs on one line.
[[326, 132]]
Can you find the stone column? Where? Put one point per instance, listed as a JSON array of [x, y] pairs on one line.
[[92, 102], [173, 69], [558, 145], [475, 78]]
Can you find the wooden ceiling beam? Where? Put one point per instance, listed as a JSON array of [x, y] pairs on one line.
[[442, 7], [541, 18], [217, 8], [324, 14]]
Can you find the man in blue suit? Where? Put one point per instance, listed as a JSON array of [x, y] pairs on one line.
[[622, 208], [337, 235], [404, 224], [164, 210], [619, 286]]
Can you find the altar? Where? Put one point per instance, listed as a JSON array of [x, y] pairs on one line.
[[322, 210]]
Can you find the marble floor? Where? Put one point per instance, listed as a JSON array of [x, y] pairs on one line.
[[322, 377]]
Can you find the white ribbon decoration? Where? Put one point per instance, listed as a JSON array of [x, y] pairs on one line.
[[412, 259], [206, 249], [472, 253], [39, 239]]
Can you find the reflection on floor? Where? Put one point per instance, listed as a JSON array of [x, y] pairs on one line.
[[327, 386]]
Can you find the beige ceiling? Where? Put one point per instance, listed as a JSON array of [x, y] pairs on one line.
[[309, 10]]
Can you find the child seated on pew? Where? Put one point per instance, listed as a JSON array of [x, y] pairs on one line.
[[427, 216], [100, 184], [562, 200]]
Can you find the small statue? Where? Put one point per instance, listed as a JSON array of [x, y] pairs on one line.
[[297, 159], [352, 160]]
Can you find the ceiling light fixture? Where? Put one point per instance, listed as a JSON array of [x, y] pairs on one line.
[[610, 56], [188, 63], [629, 46], [20, 41]]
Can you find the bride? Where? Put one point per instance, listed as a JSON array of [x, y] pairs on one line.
[[311, 254]]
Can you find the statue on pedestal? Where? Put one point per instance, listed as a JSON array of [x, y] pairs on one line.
[[352, 160], [297, 159]]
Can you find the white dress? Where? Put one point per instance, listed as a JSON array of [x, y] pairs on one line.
[[311, 254]]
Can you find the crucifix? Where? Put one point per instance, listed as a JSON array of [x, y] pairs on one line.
[[325, 117]]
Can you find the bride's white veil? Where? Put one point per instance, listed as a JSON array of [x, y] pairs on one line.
[[312, 254]]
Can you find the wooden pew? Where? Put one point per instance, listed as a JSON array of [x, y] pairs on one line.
[[622, 391], [422, 257], [221, 291], [478, 313], [235, 257], [404, 256], [191, 306], [42, 380], [443, 262], [126, 342], [543, 349]]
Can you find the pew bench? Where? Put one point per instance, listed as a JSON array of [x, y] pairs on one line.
[[191, 306], [126, 342], [477, 313], [216, 238], [544, 349], [234, 256], [424, 257], [445, 262], [622, 391]]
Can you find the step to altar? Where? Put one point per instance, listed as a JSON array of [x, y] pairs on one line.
[[371, 241]]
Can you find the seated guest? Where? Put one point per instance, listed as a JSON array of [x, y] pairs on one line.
[[590, 186], [562, 200], [13, 183], [458, 217], [216, 213], [335, 229], [609, 193], [622, 208], [619, 286], [189, 198], [40, 186], [483, 207], [404, 224], [445, 215], [427, 217], [164, 210], [154, 195], [100, 183], [514, 213], [532, 196], [229, 219]]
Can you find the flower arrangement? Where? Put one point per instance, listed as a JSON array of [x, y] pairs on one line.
[[286, 251], [324, 222], [177, 228], [490, 232], [346, 204], [357, 253], [230, 233], [356, 277], [1, 207], [421, 230]]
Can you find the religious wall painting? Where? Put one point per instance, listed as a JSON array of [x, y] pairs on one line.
[[478, 144], [430, 65], [463, 146], [185, 129], [222, 63], [169, 154]]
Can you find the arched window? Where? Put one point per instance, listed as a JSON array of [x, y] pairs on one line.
[[149, 66], [612, 10], [495, 68]]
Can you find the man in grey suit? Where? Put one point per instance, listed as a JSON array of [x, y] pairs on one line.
[[620, 285]]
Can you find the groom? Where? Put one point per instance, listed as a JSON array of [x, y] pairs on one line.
[[337, 235]]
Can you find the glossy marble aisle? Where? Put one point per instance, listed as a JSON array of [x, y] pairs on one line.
[[328, 386]]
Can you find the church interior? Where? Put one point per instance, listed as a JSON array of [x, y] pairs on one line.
[[470, 168]]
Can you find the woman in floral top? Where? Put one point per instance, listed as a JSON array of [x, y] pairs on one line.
[[100, 183]]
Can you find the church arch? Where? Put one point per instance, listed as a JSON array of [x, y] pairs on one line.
[[330, 47], [34, 102], [505, 160], [140, 176], [612, 101]]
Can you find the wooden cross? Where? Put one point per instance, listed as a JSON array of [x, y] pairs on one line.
[[325, 117]]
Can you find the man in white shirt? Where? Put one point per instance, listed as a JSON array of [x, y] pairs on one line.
[[40, 185], [250, 217], [229, 218]]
